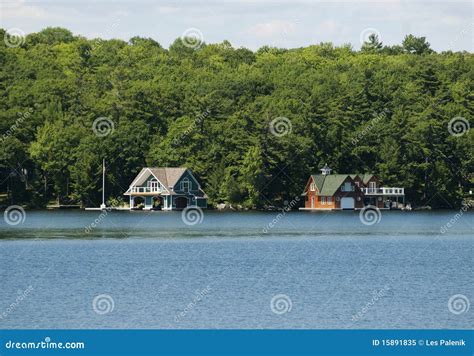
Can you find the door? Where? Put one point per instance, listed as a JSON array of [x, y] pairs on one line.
[[347, 203], [312, 202], [181, 202], [372, 187], [157, 203]]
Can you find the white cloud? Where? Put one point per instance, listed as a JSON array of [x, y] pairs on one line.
[[18, 9], [271, 29], [328, 26], [452, 20], [166, 10], [447, 24]]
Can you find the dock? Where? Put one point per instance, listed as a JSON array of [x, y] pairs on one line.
[[108, 209]]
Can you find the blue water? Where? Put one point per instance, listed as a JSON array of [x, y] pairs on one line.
[[223, 273]]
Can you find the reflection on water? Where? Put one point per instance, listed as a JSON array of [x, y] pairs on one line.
[[325, 270]]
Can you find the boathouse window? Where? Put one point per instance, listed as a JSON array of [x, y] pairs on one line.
[[323, 200], [357, 183], [185, 185], [329, 200], [312, 187], [154, 185], [347, 187], [372, 186]]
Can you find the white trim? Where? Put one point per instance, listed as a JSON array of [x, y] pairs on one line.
[[193, 177], [181, 185], [140, 175], [154, 185], [158, 180]]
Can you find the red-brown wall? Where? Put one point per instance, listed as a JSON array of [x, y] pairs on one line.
[[335, 199]]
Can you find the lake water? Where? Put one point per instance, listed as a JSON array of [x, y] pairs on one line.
[[237, 270]]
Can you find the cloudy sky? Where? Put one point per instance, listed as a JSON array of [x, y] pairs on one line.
[[447, 24]]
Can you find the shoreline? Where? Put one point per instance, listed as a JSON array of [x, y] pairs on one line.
[[276, 210]]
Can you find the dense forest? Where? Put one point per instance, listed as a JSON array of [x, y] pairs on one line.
[[252, 125]]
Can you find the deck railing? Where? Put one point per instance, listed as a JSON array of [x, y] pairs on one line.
[[383, 191], [145, 190]]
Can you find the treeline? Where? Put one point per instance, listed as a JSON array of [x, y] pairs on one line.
[[252, 125]]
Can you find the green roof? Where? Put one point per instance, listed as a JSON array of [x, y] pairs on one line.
[[318, 180], [365, 177], [329, 184]]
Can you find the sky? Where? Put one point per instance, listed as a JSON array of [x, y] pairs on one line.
[[447, 24]]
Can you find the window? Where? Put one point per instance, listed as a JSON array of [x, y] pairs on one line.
[[357, 183], [312, 187], [185, 185], [329, 200], [154, 185], [372, 185], [348, 187], [323, 200]]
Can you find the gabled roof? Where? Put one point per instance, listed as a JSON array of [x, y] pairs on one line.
[[366, 177], [168, 176], [329, 184], [318, 180]]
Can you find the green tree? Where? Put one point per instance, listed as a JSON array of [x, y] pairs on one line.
[[416, 45], [373, 44]]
